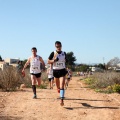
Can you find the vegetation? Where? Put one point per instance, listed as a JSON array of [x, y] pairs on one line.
[[113, 62], [70, 60], [0, 58], [104, 82], [27, 80], [82, 68], [11, 79]]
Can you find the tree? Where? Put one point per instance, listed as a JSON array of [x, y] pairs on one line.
[[83, 68], [0, 58], [101, 66], [24, 61], [113, 62], [70, 59]]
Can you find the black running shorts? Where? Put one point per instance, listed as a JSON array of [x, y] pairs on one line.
[[59, 73], [50, 79], [68, 78], [38, 75]]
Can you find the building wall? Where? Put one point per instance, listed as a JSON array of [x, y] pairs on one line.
[[11, 61], [2, 65]]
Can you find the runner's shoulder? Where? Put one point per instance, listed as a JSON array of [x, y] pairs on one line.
[[51, 55], [39, 56]]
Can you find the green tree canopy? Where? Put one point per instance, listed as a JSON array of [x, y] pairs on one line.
[[82, 68], [70, 59], [0, 58]]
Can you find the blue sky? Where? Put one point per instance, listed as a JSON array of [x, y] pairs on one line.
[[89, 28]]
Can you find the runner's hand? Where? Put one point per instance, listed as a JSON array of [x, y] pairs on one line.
[[23, 70], [23, 73], [55, 60]]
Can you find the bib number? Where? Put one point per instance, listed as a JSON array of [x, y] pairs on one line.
[[60, 64], [34, 68]]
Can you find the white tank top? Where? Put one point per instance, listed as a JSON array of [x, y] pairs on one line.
[[68, 74], [60, 64], [35, 65], [50, 73]]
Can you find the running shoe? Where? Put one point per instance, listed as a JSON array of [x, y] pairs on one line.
[[35, 97]]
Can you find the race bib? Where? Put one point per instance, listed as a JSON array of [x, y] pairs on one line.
[[34, 68], [60, 64]]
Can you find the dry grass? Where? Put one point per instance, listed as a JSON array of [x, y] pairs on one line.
[[10, 79], [104, 80], [27, 80]]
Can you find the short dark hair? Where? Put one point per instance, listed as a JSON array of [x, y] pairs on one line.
[[58, 42], [34, 48]]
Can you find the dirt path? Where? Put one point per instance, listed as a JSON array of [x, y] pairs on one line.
[[80, 104]]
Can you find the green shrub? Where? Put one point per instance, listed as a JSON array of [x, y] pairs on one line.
[[42, 86], [104, 82], [90, 81], [116, 88]]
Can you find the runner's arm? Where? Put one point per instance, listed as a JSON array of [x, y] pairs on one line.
[[47, 71], [26, 64], [71, 74], [66, 60], [50, 59], [43, 63]]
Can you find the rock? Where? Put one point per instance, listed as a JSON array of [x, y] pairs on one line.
[[22, 86]]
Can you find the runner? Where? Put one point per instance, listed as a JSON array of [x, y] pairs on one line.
[[68, 77], [35, 70], [58, 59], [50, 76], [19, 67]]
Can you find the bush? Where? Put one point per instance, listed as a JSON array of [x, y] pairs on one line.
[[103, 81], [43, 86], [10, 79], [116, 88], [27, 80], [90, 81], [44, 77]]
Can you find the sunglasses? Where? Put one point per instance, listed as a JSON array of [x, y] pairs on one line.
[[58, 46]]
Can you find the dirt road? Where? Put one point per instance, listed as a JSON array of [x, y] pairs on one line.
[[80, 104]]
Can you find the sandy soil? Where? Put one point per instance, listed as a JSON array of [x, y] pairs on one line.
[[81, 103]]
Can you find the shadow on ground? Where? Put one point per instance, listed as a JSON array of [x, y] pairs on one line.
[[10, 118], [88, 106], [84, 99]]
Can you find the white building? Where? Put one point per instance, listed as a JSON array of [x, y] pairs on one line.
[[118, 65], [95, 69], [12, 62], [2, 65]]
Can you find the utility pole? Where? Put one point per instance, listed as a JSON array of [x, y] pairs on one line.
[[103, 60]]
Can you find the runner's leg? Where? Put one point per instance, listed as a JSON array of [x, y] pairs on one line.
[[33, 79], [66, 83], [62, 90], [51, 83], [39, 81], [57, 84]]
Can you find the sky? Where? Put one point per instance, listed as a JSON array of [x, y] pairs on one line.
[[88, 28]]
